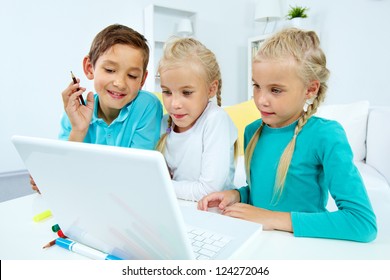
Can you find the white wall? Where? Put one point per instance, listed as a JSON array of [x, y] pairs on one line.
[[355, 37], [42, 40]]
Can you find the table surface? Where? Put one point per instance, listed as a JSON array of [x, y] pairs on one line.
[[22, 239]]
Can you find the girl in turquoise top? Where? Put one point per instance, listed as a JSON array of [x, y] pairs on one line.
[[294, 159]]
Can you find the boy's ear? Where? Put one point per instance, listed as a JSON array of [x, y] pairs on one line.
[[213, 88], [144, 78], [88, 68], [312, 89]]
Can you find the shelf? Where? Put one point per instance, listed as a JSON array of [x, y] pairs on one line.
[[160, 23]]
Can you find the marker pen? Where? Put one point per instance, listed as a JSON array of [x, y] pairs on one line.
[[41, 216], [84, 250]]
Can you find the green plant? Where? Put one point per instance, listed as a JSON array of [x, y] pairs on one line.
[[297, 11]]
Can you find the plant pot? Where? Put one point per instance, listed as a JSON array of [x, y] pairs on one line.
[[298, 22]]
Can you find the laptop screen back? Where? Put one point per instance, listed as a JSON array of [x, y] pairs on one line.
[[118, 200]]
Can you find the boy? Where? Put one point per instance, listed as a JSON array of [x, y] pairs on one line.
[[120, 113]]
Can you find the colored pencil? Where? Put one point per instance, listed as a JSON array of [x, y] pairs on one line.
[[75, 82]]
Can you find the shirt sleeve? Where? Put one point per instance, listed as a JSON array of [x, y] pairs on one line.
[[65, 128], [354, 219], [216, 159], [244, 194], [147, 131]]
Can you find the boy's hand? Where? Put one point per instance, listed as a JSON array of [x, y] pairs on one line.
[[33, 185], [79, 115]]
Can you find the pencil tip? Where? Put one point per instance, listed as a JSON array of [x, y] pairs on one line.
[[51, 243]]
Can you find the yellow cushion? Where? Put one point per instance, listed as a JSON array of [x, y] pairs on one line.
[[159, 96], [243, 114]]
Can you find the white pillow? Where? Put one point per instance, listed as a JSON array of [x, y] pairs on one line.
[[353, 117], [378, 139]]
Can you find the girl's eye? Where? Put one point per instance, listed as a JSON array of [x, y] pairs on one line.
[[276, 90], [108, 70], [132, 76], [255, 86], [186, 92], [166, 92]]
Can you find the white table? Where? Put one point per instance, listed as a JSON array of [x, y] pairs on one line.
[[22, 239]]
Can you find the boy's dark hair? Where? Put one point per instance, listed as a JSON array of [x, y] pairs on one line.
[[118, 34]]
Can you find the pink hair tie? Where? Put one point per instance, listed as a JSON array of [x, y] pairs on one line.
[[169, 130]]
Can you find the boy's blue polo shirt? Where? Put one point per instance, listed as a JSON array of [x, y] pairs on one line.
[[137, 125]]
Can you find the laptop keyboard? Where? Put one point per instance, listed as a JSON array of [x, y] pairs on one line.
[[206, 244]]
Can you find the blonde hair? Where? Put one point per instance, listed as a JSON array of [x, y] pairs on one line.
[[184, 51], [304, 48]]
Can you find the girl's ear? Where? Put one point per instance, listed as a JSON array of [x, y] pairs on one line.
[[88, 68], [312, 89], [213, 88]]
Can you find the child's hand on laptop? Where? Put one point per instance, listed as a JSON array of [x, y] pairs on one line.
[[219, 199], [33, 185]]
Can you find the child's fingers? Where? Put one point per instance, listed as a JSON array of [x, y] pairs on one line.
[[228, 199], [203, 203], [72, 88], [72, 102], [211, 200], [200, 204], [90, 98], [33, 185], [65, 93], [35, 188], [71, 96]]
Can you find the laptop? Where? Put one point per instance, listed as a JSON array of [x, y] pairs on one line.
[[121, 201]]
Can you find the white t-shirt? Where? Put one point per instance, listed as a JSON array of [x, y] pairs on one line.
[[202, 158]]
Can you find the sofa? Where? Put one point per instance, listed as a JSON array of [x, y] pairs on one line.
[[368, 132]]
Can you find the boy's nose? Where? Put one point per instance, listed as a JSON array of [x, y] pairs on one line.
[[119, 83]]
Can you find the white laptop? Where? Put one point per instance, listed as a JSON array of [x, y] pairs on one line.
[[121, 201]]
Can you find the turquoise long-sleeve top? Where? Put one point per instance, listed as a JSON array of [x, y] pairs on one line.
[[137, 125], [322, 163]]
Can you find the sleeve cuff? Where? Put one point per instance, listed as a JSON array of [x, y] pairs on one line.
[[244, 194]]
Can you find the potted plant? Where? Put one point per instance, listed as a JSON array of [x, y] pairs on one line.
[[296, 15], [297, 12]]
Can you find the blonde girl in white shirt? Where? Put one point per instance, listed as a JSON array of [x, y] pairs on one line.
[[198, 137]]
